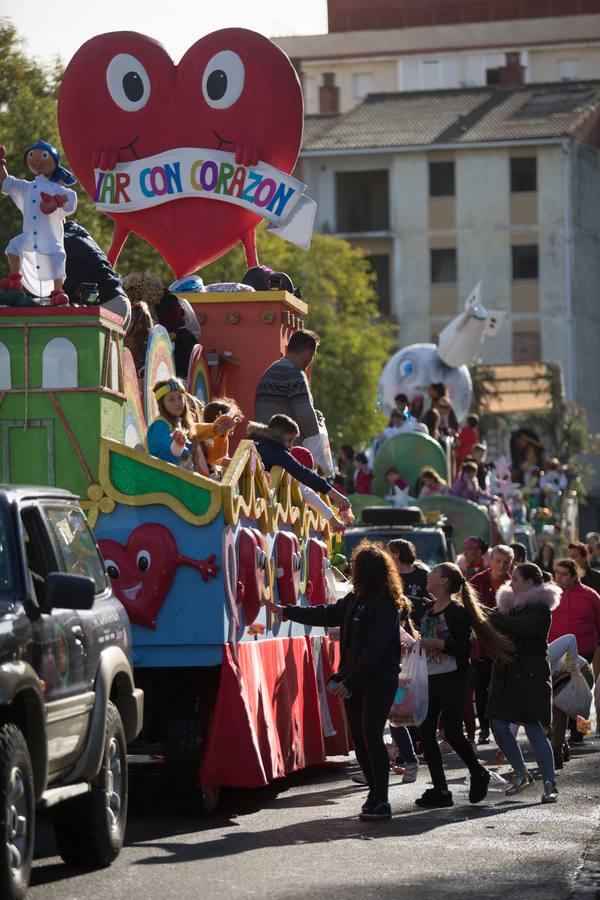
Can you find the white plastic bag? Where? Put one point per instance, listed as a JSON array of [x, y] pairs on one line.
[[575, 697], [319, 446], [412, 696]]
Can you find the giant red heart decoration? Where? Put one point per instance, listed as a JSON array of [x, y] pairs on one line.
[[143, 570], [122, 98]]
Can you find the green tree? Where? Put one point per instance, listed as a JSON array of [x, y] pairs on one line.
[[336, 279]]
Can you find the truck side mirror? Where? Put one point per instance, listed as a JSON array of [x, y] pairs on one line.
[[63, 590]]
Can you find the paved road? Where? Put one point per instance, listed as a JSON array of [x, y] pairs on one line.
[[302, 840]]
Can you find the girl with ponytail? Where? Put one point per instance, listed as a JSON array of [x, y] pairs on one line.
[[521, 688], [446, 636]]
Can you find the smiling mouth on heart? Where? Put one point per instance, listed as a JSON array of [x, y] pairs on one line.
[[132, 592], [221, 140], [131, 146]]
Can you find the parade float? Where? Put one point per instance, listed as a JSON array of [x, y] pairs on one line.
[[190, 157], [411, 371]]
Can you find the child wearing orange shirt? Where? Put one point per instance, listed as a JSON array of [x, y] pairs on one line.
[[220, 418]]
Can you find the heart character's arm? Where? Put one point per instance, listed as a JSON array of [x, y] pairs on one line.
[[245, 155], [105, 158], [249, 242]]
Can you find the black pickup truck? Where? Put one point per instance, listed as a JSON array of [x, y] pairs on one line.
[[68, 703]]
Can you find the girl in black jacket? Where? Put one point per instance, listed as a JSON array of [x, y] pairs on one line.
[[446, 637], [369, 622], [521, 691]]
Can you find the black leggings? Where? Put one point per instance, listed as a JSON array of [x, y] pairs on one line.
[[483, 674], [367, 710], [447, 698]]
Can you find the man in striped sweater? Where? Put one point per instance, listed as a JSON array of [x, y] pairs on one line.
[[283, 387]]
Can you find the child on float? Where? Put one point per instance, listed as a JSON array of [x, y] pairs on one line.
[[446, 637], [432, 483], [169, 436], [310, 497], [363, 477], [274, 443], [138, 334], [220, 417]]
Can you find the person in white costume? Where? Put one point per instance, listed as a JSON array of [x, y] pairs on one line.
[[38, 254]]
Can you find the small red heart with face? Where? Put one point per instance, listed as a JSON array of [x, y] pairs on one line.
[[142, 571], [252, 572], [122, 98], [289, 564]]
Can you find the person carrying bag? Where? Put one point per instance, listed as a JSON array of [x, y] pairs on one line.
[[367, 680]]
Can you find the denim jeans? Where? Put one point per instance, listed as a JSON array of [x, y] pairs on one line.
[[403, 741], [540, 744]]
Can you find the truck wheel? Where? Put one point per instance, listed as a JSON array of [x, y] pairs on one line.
[[90, 829], [183, 757], [17, 813]]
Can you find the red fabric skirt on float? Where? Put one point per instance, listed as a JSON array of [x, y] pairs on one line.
[[273, 715]]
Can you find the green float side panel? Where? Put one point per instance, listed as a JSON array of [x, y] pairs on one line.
[[359, 501], [466, 517], [132, 478], [409, 454], [30, 452]]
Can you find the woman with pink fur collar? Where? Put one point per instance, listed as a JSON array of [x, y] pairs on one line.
[[521, 690]]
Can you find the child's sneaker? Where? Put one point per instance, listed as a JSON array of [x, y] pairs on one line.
[[432, 799], [550, 794], [479, 786], [410, 774], [376, 813], [520, 782], [360, 778]]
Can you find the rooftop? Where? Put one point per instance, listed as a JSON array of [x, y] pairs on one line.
[[396, 42], [461, 116]]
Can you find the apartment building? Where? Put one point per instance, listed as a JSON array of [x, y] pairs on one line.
[[409, 45], [445, 188]]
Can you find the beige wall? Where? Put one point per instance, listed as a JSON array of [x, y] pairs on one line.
[[545, 64]]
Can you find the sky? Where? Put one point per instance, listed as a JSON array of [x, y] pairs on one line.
[[176, 24]]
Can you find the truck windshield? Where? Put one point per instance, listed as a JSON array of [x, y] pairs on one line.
[[6, 567], [430, 545]]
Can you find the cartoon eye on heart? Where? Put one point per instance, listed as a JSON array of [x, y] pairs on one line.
[[142, 571], [287, 554], [123, 99]]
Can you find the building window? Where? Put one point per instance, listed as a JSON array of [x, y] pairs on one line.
[[362, 201], [59, 364], [443, 266], [441, 179], [309, 84], [524, 262], [431, 74], [381, 267], [523, 174], [526, 346], [361, 85], [5, 379], [568, 69]]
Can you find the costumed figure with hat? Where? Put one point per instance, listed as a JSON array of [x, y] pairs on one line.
[[38, 255]]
